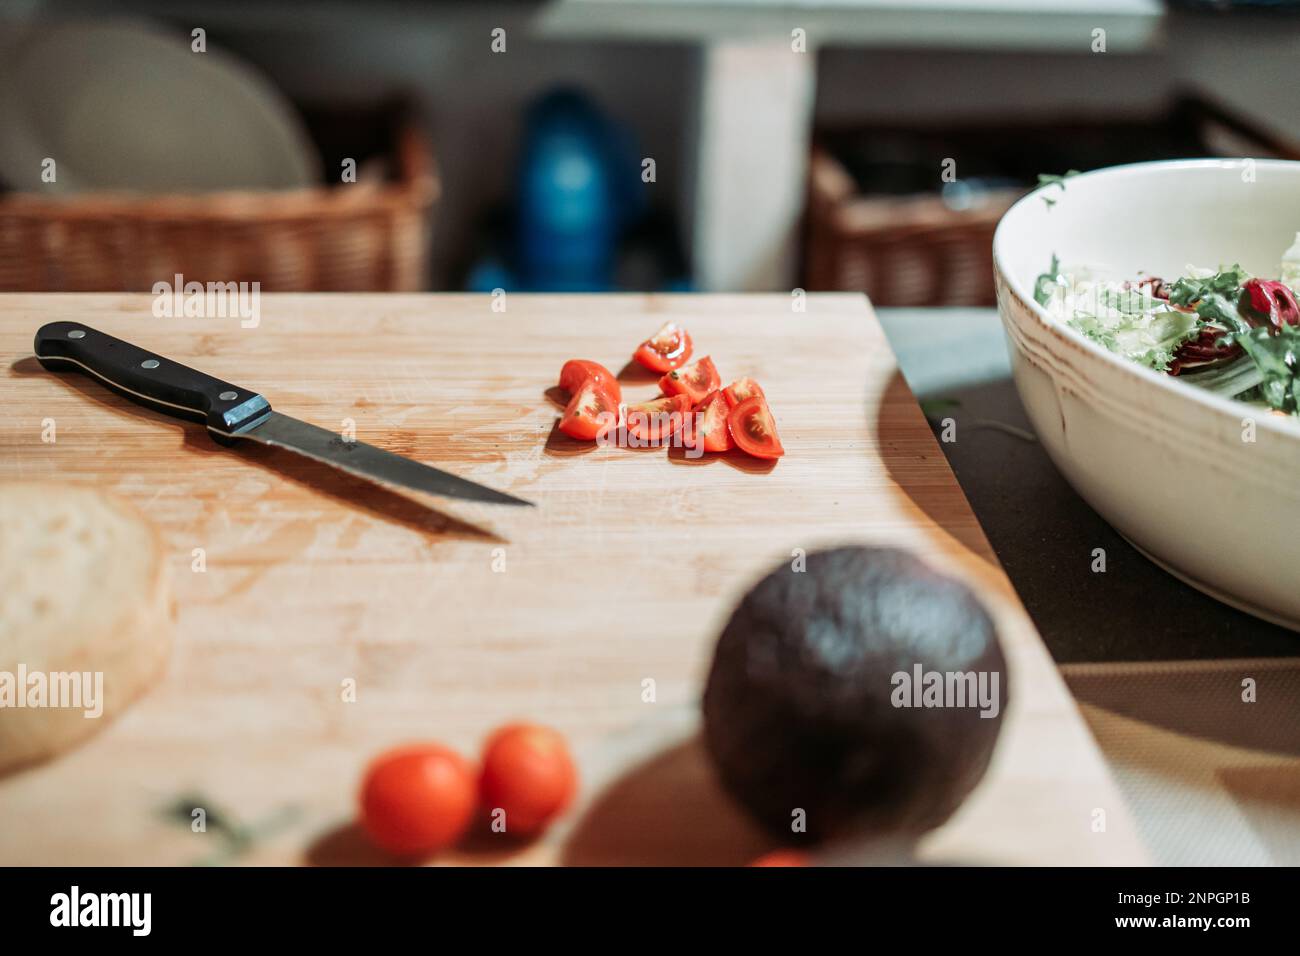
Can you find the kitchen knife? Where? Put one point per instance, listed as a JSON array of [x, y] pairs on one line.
[[232, 413]]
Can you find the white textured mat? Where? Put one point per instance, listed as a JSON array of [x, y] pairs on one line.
[[1211, 777]]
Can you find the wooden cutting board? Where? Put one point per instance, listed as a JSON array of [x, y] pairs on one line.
[[452, 618]]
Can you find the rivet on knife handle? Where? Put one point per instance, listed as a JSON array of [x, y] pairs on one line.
[[150, 379]]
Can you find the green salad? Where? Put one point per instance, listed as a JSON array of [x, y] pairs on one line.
[[1225, 330]]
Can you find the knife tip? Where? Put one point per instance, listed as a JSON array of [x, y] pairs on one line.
[[501, 498]]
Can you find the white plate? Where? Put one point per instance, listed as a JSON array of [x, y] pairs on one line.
[[1163, 461], [125, 106]]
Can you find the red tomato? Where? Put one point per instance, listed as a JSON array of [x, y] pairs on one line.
[[754, 430], [783, 858], [591, 412], [667, 349], [741, 389], [528, 773], [713, 423], [577, 371], [695, 381], [657, 421], [417, 799]]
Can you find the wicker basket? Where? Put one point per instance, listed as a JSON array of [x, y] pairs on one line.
[[901, 251], [913, 250], [364, 236]]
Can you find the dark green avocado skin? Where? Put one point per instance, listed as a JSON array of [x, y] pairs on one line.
[[798, 712]]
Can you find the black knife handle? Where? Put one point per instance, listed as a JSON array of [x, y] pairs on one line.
[[150, 379]]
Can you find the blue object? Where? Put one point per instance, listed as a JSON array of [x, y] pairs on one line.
[[579, 185], [490, 274]]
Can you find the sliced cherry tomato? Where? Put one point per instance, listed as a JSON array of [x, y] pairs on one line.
[[740, 390], [527, 774], [712, 423], [657, 421], [591, 412], [667, 349], [577, 371], [418, 799], [695, 381], [754, 430], [1275, 300]]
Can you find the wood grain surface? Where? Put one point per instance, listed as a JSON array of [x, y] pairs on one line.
[[452, 618]]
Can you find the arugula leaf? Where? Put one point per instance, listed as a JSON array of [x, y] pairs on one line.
[[934, 407], [1276, 353], [1045, 283], [1216, 297], [1048, 179]]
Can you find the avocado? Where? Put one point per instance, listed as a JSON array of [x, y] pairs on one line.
[[861, 693]]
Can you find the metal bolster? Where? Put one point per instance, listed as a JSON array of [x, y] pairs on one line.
[[246, 415]]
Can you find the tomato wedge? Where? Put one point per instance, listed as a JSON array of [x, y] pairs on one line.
[[783, 858], [591, 413], [657, 421], [667, 349], [740, 390], [577, 371], [712, 427], [754, 430], [695, 381]]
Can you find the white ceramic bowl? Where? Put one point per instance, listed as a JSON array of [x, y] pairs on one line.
[[1166, 463]]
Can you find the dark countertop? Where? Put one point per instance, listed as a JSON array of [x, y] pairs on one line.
[[1043, 533]]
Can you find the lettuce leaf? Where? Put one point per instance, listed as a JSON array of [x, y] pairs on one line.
[[1276, 356], [1149, 338]]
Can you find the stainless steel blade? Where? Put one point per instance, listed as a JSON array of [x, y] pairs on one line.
[[367, 461]]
